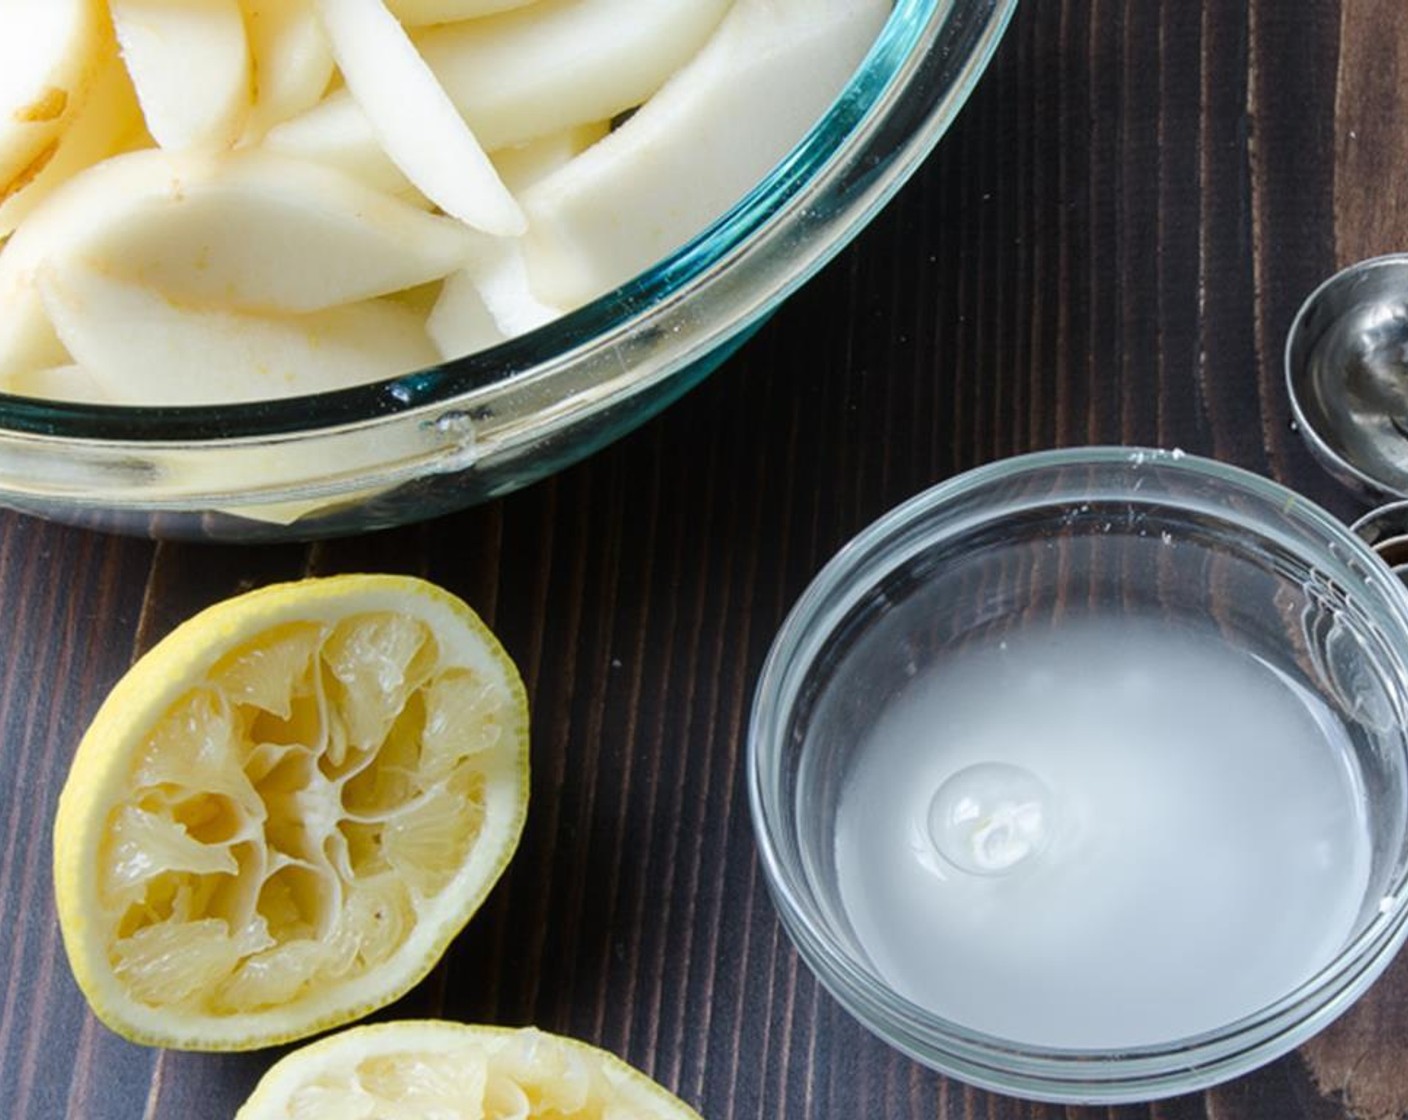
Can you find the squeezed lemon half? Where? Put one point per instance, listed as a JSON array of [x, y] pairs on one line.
[[413, 1070], [283, 812]]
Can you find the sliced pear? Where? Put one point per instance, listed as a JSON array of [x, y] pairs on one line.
[[488, 301], [419, 13], [539, 72], [249, 230], [560, 63], [143, 349], [522, 166], [684, 157], [189, 60], [293, 64], [501, 275], [415, 121], [44, 52], [336, 133], [108, 118], [460, 322], [26, 150], [421, 299], [49, 52], [27, 338], [58, 383]]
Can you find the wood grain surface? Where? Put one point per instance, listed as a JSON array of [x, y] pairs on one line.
[[1108, 246]]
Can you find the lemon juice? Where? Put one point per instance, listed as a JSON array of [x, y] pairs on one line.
[[1105, 833]]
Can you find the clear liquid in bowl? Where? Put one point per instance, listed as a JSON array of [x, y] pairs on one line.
[[1102, 833]]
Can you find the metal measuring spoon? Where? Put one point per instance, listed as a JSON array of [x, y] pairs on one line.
[[1347, 374]]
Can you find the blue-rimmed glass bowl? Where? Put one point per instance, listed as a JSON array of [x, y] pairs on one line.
[[458, 433]]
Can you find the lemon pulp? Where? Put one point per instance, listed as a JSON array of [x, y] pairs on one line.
[[455, 1071], [293, 835]]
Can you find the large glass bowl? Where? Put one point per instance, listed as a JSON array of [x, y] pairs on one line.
[[458, 433]]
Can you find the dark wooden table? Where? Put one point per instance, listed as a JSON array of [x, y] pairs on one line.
[[1107, 247]]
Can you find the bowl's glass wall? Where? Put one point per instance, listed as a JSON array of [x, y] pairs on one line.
[[448, 436], [1049, 540]]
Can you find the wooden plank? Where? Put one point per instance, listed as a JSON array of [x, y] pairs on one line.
[[1108, 246], [1371, 131]]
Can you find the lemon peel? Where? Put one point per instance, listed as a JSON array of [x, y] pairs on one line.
[[456, 1071], [286, 809]]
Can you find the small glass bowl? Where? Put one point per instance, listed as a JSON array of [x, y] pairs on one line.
[[458, 433], [1038, 539]]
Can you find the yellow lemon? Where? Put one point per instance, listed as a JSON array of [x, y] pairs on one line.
[[417, 1069], [284, 811]]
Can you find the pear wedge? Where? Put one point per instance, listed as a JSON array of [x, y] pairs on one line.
[[248, 230], [189, 60], [539, 72], [293, 64], [49, 53], [523, 165], [58, 383], [418, 13], [414, 120], [336, 133], [684, 157], [460, 322], [138, 346], [108, 119], [560, 63]]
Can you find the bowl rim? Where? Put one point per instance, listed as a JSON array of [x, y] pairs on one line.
[[1075, 1075], [602, 324]]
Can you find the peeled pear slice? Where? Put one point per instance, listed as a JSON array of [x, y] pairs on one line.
[[292, 61], [522, 166], [501, 276], [26, 147], [140, 347], [486, 302], [109, 116], [418, 13], [248, 230], [460, 322], [49, 52], [58, 383], [413, 119], [685, 156], [336, 133], [189, 60], [560, 63], [537, 73]]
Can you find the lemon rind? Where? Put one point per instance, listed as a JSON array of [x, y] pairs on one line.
[[147, 691], [338, 1051]]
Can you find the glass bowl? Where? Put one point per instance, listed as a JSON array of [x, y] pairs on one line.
[[1083, 777], [455, 434]]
